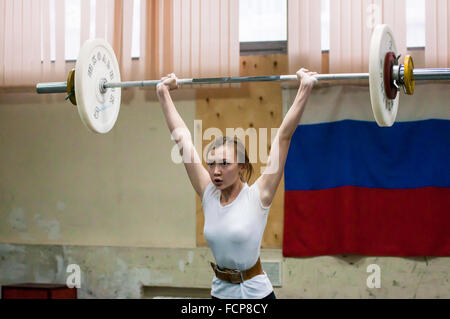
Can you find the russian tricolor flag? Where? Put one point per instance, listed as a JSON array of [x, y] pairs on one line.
[[352, 187]]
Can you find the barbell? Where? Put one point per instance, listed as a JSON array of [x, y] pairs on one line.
[[94, 85]]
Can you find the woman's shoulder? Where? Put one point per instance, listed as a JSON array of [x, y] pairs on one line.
[[252, 191], [253, 188], [254, 194], [209, 191]]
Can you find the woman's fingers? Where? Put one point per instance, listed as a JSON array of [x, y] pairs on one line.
[[170, 81], [307, 77]]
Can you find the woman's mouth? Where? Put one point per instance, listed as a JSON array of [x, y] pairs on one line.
[[218, 182]]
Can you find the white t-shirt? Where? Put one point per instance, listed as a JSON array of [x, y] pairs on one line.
[[234, 233]]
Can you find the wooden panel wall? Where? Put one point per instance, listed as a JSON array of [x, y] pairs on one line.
[[252, 105]]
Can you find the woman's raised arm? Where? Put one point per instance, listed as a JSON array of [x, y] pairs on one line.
[[268, 182], [198, 175]]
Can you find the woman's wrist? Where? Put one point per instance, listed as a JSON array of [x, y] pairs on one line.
[[161, 90], [304, 90]]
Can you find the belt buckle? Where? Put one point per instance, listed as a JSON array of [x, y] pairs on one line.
[[236, 277]]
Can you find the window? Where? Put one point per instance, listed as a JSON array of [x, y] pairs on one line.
[[73, 26], [263, 26], [93, 18], [325, 24], [415, 23], [136, 37], [52, 31]]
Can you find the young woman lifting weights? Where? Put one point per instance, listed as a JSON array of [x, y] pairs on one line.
[[235, 213]]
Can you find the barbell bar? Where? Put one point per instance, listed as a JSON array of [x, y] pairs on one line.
[[95, 87], [61, 87], [431, 74], [419, 75]]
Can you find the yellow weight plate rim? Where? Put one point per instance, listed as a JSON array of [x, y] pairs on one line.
[[71, 87], [408, 77]]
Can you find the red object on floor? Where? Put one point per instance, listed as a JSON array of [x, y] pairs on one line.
[[38, 291]]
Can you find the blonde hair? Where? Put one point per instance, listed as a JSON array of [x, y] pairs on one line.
[[241, 152]]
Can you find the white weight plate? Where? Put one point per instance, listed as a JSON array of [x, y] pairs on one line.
[[97, 61], [382, 42]]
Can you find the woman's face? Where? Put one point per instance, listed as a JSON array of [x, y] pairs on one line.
[[223, 167]]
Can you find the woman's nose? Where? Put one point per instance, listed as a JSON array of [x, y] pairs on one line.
[[217, 170]]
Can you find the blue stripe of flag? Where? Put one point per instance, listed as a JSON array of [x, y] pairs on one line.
[[359, 153]]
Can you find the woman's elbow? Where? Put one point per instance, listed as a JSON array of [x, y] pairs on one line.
[[284, 136]]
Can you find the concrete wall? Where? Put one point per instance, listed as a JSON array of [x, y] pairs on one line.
[[123, 272]]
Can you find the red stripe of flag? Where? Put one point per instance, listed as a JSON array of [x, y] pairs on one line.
[[367, 221]]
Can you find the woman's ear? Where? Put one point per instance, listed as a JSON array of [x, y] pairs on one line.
[[242, 168]]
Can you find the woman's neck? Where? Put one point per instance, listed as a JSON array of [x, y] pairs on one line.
[[230, 193]]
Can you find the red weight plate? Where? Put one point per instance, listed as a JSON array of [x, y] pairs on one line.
[[389, 87]]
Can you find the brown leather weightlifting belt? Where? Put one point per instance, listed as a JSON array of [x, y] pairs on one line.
[[236, 276]]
